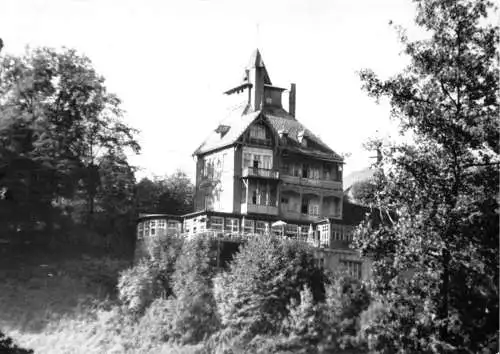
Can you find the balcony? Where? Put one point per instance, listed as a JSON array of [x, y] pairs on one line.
[[249, 208], [308, 182], [260, 173]]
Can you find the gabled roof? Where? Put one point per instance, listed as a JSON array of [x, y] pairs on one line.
[[238, 120], [279, 120], [282, 121]]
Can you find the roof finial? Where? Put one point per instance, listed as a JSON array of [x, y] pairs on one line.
[[257, 35]]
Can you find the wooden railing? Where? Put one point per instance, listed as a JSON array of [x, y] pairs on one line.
[[260, 172], [310, 182], [243, 237]]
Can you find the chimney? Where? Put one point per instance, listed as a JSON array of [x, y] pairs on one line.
[[291, 101]]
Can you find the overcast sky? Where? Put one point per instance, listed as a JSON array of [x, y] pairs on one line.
[[170, 61]]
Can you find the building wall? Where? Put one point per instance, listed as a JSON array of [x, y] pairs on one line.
[[215, 181]]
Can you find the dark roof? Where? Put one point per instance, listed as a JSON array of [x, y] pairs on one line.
[[279, 120]]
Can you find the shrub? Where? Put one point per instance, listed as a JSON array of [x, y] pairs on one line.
[[193, 310], [253, 295], [345, 299], [304, 319], [136, 286]]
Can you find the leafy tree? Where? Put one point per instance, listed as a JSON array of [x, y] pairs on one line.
[[363, 191], [171, 194], [437, 266], [194, 314], [253, 295], [57, 120], [345, 299], [304, 318]]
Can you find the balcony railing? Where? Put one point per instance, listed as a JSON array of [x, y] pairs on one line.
[[322, 183], [269, 209], [260, 172]]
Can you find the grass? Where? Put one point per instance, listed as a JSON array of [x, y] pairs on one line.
[[65, 305]]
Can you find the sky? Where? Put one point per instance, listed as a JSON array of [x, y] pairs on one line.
[[171, 61]]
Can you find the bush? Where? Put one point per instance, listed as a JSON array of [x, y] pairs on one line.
[[253, 295], [136, 286], [194, 314], [304, 319], [346, 298]]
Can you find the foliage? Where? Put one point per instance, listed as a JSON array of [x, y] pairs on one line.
[[436, 266], [136, 286], [346, 298], [252, 296], [7, 346], [363, 191], [62, 142], [171, 194], [193, 309], [304, 319]]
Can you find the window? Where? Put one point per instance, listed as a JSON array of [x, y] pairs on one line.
[[140, 230], [232, 225], [313, 209], [291, 230], [256, 161], [247, 157], [304, 207], [248, 227], [285, 168], [216, 223], [353, 268], [173, 227], [304, 231], [324, 234], [284, 200], [337, 172], [162, 224], [258, 132], [260, 227], [305, 171], [188, 225], [266, 162], [277, 230], [336, 232], [327, 171]]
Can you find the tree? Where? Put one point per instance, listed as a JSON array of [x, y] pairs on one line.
[[439, 259], [57, 116], [171, 194], [253, 295], [194, 314]]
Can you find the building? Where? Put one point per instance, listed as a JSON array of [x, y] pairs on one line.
[[261, 172]]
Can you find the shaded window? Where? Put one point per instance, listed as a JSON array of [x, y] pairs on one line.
[[305, 171], [305, 206]]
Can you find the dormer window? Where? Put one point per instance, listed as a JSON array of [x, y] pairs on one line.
[[222, 129]]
